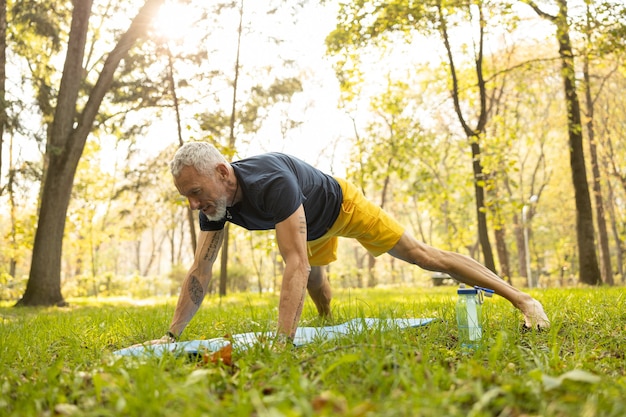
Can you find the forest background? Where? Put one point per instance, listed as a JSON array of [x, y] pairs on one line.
[[469, 121]]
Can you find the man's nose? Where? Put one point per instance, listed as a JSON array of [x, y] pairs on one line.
[[194, 203]]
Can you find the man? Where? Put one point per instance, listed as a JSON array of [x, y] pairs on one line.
[[309, 210]]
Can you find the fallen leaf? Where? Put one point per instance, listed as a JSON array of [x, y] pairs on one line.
[[224, 355], [329, 401]]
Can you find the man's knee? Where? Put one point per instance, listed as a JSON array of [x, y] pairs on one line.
[[415, 252], [319, 290], [316, 277]]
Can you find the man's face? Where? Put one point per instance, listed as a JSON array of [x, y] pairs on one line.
[[204, 193]]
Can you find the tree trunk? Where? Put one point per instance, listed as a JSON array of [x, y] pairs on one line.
[[65, 146], [619, 243], [503, 254], [481, 211], [521, 247], [603, 235], [63, 152], [3, 77], [359, 265], [473, 134], [231, 143], [588, 262], [224, 262], [12, 212], [587, 259], [372, 278], [44, 283], [181, 142]]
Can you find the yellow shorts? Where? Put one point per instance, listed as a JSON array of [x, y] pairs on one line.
[[358, 219]]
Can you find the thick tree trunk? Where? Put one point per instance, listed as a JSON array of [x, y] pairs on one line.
[[588, 261], [65, 146], [44, 283], [63, 152]]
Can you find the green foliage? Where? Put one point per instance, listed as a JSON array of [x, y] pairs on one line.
[[254, 110], [119, 221], [10, 287], [521, 146], [177, 276], [59, 361], [239, 277], [361, 22], [37, 33]]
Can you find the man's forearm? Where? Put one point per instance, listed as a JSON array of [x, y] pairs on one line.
[[189, 301], [291, 237], [197, 281], [292, 296]]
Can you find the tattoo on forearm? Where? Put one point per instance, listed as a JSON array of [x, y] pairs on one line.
[[214, 246], [196, 293], [296, 319], [302, 225]]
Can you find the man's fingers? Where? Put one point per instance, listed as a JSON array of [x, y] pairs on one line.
[[164, 339]]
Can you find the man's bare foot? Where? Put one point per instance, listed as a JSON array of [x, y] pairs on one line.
[[534, 316]]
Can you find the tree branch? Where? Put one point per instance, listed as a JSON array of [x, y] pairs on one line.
[[540, 12]]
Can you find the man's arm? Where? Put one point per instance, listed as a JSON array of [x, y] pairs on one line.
[[197, 280], [291, 237]]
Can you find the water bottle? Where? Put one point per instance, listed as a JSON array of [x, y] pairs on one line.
[[469, 316]]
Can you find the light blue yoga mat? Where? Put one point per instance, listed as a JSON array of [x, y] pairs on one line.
[[242, 341]]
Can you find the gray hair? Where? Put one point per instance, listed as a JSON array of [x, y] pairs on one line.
[[203, 156]]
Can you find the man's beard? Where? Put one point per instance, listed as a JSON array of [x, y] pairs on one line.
[[220, 210]]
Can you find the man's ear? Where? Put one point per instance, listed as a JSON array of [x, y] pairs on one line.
[[222, 171]]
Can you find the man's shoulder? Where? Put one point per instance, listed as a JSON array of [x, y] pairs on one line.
[[272, 161], [264, 157]]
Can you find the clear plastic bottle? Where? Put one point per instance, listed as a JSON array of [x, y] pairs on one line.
[[469, 317]]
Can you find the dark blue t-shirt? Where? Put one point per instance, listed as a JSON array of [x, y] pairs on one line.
[[273, 186]]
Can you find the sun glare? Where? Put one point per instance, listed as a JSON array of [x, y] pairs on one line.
[[174, 21]]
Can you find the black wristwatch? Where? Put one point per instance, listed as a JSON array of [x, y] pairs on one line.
[[172, 336]]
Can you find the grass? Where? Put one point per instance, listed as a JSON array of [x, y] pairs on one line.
[[59, 361]]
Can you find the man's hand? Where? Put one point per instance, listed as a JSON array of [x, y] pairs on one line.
[[163, 340]]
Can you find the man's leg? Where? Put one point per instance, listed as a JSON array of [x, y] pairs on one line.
[[467, 270], [319, 290]]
